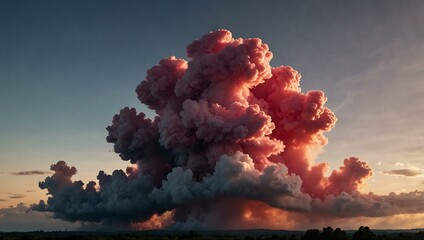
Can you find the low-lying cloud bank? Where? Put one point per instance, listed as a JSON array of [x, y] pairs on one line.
[[19, 218]]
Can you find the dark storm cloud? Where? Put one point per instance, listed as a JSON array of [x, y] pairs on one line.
[[404, 172]]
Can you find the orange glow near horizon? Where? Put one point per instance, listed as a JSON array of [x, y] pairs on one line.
[[156, 222]]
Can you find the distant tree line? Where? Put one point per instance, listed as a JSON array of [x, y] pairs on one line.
[[328, 233]]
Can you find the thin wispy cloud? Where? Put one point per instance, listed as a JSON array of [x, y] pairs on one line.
[[28, 173], [16, 196], [404, 172]]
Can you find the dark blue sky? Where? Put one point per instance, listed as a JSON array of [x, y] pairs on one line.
[[56, 54]]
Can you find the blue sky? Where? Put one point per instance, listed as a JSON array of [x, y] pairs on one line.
[[66, 67]]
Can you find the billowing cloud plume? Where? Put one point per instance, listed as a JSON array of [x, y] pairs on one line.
[[232, 145], [34, 172], [404, 172]]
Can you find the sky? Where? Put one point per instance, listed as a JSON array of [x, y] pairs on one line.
[[67, 67]]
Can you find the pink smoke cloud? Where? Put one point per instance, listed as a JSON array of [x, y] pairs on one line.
[[233, 138]]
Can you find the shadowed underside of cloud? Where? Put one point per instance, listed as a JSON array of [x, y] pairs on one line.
[[404, 172], [35, 172], [232, 147]]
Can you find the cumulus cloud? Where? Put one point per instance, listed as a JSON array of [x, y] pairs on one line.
[[232, 145], [34, 172], [404, 172]]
